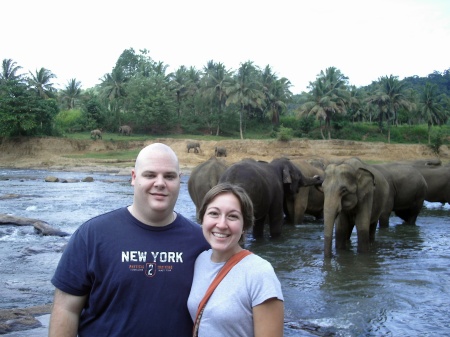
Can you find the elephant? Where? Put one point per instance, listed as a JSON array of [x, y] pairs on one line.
[[354, 195], [193, 145], [309, 199], [437, 177], [267, 185], [125, 130], [97, 133], [220, 151], [203, 177], [407, 191]]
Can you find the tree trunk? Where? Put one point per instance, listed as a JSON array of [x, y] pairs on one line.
[[240, 122]]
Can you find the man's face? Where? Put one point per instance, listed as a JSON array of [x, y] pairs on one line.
[[156, 182]]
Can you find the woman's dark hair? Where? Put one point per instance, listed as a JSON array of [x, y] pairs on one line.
[[240, 194]]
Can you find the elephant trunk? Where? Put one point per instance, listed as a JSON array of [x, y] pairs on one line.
[[331, 211]]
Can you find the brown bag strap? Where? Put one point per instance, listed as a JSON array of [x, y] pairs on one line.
[[224, 271]]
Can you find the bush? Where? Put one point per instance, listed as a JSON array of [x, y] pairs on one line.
[[284, 134]]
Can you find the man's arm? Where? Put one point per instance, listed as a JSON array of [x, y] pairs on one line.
[[65, 314]]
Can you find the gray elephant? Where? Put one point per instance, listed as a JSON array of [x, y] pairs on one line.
[[193, 145], [125, 130], [407, 190], [437, 177], [309, 199], [203, 177], [267, 185], [220, 151], [96, 134], [354, 195]]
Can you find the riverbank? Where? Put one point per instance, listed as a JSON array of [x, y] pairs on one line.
[[70, 155]]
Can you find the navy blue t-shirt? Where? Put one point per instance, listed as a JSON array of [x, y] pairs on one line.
[[137, 277]]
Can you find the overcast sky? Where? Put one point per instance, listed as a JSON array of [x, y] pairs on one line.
[[363, 39]]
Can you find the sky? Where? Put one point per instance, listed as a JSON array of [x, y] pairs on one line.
[[364, 39]]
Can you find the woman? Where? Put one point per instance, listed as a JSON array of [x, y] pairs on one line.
[[248, 301]]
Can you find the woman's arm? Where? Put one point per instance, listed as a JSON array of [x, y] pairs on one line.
[[268, 318], [65, 314]]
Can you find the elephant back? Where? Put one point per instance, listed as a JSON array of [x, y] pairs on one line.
[[203, 177], [259, 181]]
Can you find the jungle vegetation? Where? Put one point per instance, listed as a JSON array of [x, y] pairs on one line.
[[249, 102]]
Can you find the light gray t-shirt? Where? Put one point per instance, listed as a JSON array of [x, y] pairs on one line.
[[229, 309]]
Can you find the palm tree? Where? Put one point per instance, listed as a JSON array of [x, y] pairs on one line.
[[390, 96], [9, 70], [246, 91], [41, 82], [430, 108], [328, 96], [216, 80], [277, 93], [71, 93]]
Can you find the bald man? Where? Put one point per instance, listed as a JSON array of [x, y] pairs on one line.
[[129, 272]]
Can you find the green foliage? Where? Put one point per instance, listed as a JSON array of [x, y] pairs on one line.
[[285, 134], [94, 114], [70, 121], [437, 139], [23, 113]]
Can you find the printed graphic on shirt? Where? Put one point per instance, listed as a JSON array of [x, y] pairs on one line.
[[151, 262]]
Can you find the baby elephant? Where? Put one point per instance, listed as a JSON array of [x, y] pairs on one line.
[[97, 133], [193, 145], [220, 151]]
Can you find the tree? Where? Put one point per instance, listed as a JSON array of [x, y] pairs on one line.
[[389, 96], [246, 91], [277, 93], [71, 93], [431, 109], [9, 71], [41, 83], [23, 113], [328, 96], [216, 80]]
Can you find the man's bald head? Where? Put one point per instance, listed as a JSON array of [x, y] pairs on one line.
[[156, 148]]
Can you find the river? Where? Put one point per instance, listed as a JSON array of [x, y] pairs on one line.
[[401, 288]]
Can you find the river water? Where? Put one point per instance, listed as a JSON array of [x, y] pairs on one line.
[[402, 288]]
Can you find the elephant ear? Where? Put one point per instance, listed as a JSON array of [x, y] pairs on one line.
[[366, 182], [287, 179]]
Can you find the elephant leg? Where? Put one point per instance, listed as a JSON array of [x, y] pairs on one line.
[[372, 231], [276, 220], [301, 203], [258, 228], [343, 231], [384, 219]]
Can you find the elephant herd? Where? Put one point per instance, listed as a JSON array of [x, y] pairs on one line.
[[218, 151], [345, 194]]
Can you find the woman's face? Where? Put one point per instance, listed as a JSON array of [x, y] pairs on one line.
[[223, 224]]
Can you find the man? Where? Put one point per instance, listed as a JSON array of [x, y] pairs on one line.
[[129, 272]]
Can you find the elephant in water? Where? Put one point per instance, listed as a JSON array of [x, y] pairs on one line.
[[220, 151], [309, 199], [267, 185], [125, 130], [407, 191], [193, 145], [97, 133], [437, 177], [354, 194], [203, 177]]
